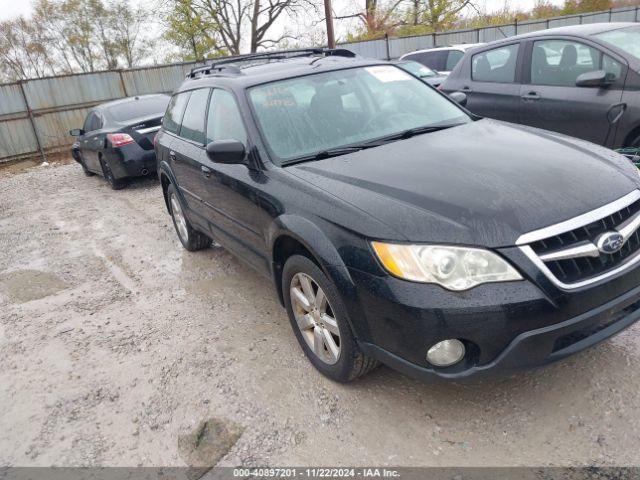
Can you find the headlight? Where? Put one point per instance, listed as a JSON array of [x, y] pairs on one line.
[[454, 268]]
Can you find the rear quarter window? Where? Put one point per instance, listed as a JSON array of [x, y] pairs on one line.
[[193, 120], [175, 110]]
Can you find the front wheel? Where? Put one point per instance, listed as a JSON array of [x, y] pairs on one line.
[[191, 239], [319, 321]]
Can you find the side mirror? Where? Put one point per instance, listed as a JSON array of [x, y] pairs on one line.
[[76, 132], [459, 97], [597, 79], [226, 151]]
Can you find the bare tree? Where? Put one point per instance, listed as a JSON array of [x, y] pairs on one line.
[[70, 33], [190, 29], [377, 17], [105, 23], [90, 35], [438, 14], [233, 18], [228, 18], [23, 54], [127, 25]]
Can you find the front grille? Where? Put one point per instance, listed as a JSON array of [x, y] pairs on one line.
[[580, 268]]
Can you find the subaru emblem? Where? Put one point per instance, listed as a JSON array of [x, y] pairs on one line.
[[610, 242]]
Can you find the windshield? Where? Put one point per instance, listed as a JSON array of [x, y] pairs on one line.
[[417, 69], [627, 39], [315, 113], [141, 107]]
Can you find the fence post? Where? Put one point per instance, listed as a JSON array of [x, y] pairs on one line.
[[515, 24], [32, 121], [478, 34], [386, 42], [610, 15], [124, 88], [580, 21], [637, 12], [433, 38]]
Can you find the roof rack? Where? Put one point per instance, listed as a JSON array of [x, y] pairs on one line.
[[226, 63]]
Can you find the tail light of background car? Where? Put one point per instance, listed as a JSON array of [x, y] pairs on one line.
[[119, 139]]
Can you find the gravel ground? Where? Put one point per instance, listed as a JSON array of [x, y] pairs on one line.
[[117, 347]]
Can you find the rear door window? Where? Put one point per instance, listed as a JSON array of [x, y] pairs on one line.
[[193, 120], [497, 65], [175, 110]]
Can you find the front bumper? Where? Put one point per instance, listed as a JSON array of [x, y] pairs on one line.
[[505, 326]]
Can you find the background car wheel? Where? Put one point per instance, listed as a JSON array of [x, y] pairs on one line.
[[319, 320], [115, 183], [191, 239]]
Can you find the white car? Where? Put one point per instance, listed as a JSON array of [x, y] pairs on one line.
[[441, 59]]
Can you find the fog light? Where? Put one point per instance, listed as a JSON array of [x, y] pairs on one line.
[[446, 353]]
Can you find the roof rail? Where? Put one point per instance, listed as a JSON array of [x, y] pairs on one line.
[[226, 63]]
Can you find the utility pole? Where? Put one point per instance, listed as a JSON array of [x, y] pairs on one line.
[[331, 40]]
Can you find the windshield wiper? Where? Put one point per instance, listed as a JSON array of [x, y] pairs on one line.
[[412, 132], [335, 152], [331, 152]]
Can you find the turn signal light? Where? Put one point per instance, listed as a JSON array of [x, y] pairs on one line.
[[119, 139]]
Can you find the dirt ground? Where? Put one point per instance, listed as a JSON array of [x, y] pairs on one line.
[[118, 347]]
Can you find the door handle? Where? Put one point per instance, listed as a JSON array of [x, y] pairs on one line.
[[172, 155], [466, 88], [206, 171], [531, 96]]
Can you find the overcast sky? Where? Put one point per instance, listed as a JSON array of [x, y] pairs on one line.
[[13, 8]]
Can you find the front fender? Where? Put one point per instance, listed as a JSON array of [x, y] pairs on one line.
[[316, 241]]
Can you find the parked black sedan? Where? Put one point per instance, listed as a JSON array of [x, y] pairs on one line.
[[582, 81], [116, 140]]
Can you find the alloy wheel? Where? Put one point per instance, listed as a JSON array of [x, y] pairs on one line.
[[178, 216], [315, 318]]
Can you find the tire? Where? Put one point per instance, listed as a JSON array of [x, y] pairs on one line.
[[350, 363], [191, 239], [116, 184]]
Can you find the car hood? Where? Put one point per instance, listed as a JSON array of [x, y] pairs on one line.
[[483, 183]]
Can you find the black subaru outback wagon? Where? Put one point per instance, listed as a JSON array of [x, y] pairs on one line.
[[397, 227]]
